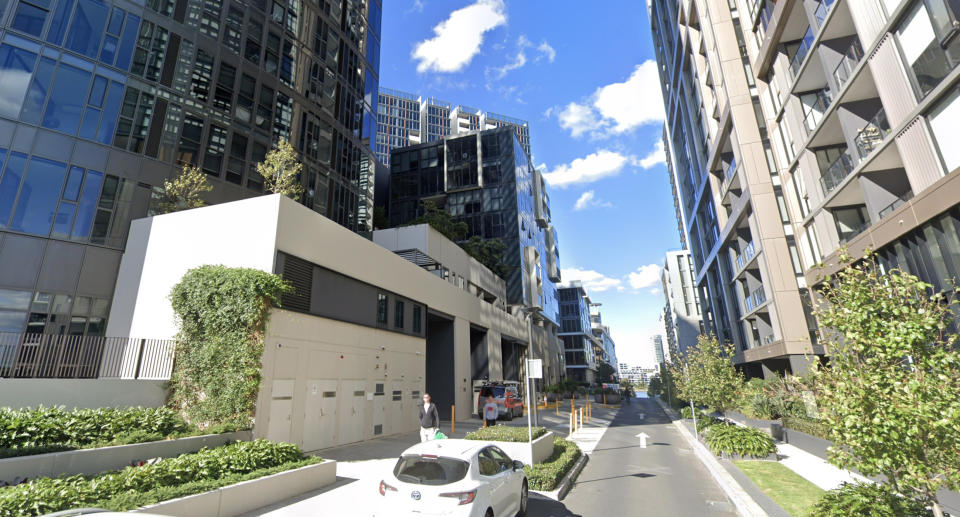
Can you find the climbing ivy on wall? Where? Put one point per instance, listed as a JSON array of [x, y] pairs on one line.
[[222, 313]]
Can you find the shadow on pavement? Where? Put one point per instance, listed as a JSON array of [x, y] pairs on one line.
[[540, 506], [637, 475]]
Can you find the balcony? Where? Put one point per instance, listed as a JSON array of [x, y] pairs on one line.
[[896, 204], [848, 234], [728, 174], [872, 134], [805, 44], [745, 256], [835, 173], [820, 102], [845, 67], [755, 299], [823, 9]]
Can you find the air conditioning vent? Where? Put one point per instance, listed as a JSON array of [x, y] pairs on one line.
[[299, 273]]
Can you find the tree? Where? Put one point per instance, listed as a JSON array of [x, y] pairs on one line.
[[488, 252], [280, 169], [891, 394], [441, 221], [185, 191], [605, 373], [706, 375], [380, 220], [654, 387]]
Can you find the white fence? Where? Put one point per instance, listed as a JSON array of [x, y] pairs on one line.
[[84, 357]]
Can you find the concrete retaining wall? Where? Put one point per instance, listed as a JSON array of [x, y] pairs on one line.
[[772, 427], [249, 495], [82, 393], [542, 449], [103, 459]]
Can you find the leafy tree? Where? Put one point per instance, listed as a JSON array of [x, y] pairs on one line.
[[605, 373], [185, 191], [280, 169], [489, 252], [655, 386], [441, 221], [706, 375], [891, 395], [380, 220]]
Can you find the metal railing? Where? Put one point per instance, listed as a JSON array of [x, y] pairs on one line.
[[872, 134], [851, 58], [819, 107], [769, 338], [835, 173], [823, 9], [900, 201], [744, 257], [728, 175], [755, 299], [25, 355], [846, 236], [802, 52]]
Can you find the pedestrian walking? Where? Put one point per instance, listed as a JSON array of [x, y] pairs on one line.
[[429, 419], [490, 411]]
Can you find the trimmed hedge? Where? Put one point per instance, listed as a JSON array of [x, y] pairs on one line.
[[867, 500], [807, 425], [742, 441], [547, 475], [503, 433], [46, 427], [45, 495]]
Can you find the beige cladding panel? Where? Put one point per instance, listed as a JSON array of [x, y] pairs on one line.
[[919, 158], [895, 91], [461, 368], [869, 19]]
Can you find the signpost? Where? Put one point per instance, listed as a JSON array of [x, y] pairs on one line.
[[534, 371]]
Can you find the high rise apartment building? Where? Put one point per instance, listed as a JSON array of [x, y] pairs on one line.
[[681, 313], [744, 246], [405, 119], [104, 100], [607, 348], [581, 351], [856, 116], [656, 342]]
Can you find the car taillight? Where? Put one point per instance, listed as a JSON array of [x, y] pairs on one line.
[[384, 487], [464, 497]]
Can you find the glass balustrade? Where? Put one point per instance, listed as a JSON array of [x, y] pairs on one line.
[[835, 173], [872, 134]]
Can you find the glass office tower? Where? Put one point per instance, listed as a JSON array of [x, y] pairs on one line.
[[101, 101]]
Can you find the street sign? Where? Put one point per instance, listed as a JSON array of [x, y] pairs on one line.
[[611, 386], [643, 440], [535, 368]]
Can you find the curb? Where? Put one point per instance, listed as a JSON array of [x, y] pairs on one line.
[[566, 484], [741, 500]]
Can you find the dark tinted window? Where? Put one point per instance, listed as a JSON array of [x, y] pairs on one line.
[[427, 470]]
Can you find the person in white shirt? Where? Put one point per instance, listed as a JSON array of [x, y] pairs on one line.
[[429, 419], [490, 411]]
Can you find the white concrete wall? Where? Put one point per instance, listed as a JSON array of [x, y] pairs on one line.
[[81, 393], [161, 249]]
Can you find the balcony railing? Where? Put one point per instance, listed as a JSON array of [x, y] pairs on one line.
[[872, 134], [84, 357], [802, 52], [728, 175], [845, 67], [744, 257], [835, 173], [818, 108], [848, 235], [823, 8], [896, 204], [769, 338], [755, 299]]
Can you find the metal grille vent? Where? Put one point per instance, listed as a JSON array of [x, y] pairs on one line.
[[299, 273]]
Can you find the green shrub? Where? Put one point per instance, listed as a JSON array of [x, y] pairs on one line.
[[706, 422], [686, 412], [807, 425], [45, 495], [547, 475], [743, 441], [503, 433], [222, 313], [46, 427], [867, 500]]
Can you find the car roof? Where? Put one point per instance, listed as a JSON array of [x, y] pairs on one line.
[[451, 448]]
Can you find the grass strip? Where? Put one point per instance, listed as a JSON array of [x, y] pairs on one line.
[[788, 489]]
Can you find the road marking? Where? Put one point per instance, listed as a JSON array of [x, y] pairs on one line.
[[643, 440]]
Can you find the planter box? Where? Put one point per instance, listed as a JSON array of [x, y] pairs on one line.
[[542, 449], [242, 497], [772, 427], [103, 459]]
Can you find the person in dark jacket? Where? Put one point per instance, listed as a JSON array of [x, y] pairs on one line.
[[429, 419]]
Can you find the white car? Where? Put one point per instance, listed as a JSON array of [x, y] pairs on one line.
[[464, 478]]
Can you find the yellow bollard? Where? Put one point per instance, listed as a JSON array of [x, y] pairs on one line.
[[581, 418], [453, 418], [570, 425], [557, 407], [604, 399], [571, 404]]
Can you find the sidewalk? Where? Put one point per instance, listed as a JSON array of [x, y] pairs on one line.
[[815, 469], [361, 466]]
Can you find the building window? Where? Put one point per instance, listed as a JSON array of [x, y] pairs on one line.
[[945, 126], [31, 16], [150, 50], [417, 324], [135, 115], [190, 137], [928, 44], [398, 314], [382, 309]]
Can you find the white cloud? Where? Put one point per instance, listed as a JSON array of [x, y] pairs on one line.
[[617, 107], [592, 281], [588, 199], [656, 157], [644, 277], [546, 51], [592, 167], [417, 6], [519, 60], [458, 38]]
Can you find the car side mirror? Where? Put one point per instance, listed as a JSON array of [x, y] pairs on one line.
[[517, 465]]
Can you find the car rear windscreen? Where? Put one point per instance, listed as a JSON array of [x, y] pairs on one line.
[[426, 470], [498, 392]]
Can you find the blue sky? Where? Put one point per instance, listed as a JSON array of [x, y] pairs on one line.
[[585, 78]]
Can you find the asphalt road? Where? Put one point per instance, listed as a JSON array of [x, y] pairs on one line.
[[621, 478]]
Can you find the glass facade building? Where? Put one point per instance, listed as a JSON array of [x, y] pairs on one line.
[[101, 101], [580, 348]]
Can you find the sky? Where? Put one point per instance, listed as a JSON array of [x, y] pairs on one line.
[[586, 80]]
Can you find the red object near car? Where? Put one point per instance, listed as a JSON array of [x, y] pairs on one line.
[[507, 397]]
